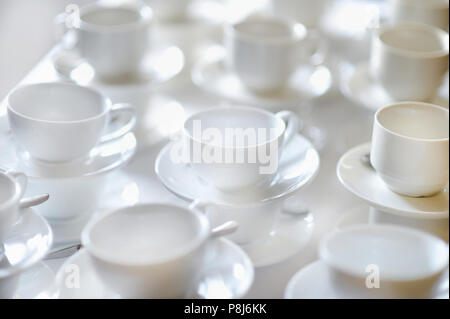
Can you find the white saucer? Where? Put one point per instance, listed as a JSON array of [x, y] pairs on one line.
[[159, 66], [102, 159], [290, 235], [313, 282], [298, 165], [38, 282], [357, 86], [306, 83], [26, 244], [363, 181], [229, 275]]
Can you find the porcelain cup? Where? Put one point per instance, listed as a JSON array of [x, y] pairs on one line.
[[409, 60], [113, 38], [236, 147], [168, 10], [432, 12], [12, 188], [410, 147], [61, 122], [384, 261], [151, 250], [264, 51]]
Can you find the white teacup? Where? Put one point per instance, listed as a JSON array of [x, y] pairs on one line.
[[237, 147], [410, 147], [433, 12], [12, 188], [374, 261], [409, 60], [60, 122], [113, 38], [264, 51], [150, 250]]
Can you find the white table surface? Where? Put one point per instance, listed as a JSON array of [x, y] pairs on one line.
[[345, 124]]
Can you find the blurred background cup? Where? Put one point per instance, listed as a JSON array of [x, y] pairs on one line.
[[410, 147], [384, 261], [306, 12], [432, 12], [113, 38], [264, 51], [168, 10], [409, 60]]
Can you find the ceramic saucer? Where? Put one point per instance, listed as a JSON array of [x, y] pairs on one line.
[[26, 244], [229, 275], [159, 66], [290, 235], [313, 282], [298, 165], [363, 181], [357, 86], [306, 83], [38, 282]]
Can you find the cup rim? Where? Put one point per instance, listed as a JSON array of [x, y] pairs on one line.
[[200, 238], [443, 36], [299, 31], [328, 258], [145, 17], [246, 108], [17, 90], [422, 104], [17, 191]]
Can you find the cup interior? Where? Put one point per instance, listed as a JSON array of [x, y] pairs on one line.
[[223, 127], [110, 16], [57, 102], [415, 120], [414, 38], [146, 234], [400, 253], [7, 189]]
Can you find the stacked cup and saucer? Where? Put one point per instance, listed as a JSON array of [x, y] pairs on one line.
[[266, 61], [111, 47], [66, 139], [408, 62], [241, 163], [402, 175], [25, 239]]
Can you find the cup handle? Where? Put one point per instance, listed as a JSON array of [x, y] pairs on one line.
[[65, 22], [292, 125], [21, 178], [115, 113], [315, 47], [223, 229]]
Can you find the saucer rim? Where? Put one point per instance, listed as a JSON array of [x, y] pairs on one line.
[[347, 74], [383, 207], [205, 62], [249, 279], [125, 156], [286, 193], [95, 83], [30, 262]]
